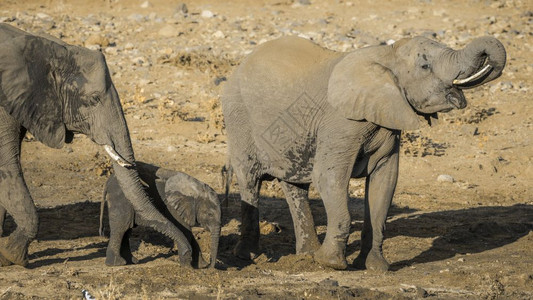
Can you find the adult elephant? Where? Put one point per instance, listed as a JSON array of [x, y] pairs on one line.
[[303, 114], [54, 90]]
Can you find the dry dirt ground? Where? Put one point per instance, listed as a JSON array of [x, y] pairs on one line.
[[469, 238]]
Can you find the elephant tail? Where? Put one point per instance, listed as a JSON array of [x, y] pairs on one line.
[[227, 174], [102, 208]]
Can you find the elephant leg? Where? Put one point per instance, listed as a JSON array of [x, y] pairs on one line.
[[125, 249], [18, 202], [121, 218], [14, 195], [331, 179], [380, 186], [248, 245], [114, 248], [302, 219]]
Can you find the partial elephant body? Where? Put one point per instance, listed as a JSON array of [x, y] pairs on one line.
[[303, 114], [182, 199], [53, 90]]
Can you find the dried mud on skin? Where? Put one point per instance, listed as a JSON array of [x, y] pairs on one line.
[[466, 238]]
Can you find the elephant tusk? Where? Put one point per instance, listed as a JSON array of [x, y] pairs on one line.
[[116, 157], [474, 77]]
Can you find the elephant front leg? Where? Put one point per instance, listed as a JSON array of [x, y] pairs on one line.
[[380, 186], [121, 220], [17, 201], [332, 185], [302, 218]]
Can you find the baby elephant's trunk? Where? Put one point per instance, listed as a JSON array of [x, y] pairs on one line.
[[215, 237]]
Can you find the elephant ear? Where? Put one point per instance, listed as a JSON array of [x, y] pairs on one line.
[[181, 196], [362, 88], [28, 86]]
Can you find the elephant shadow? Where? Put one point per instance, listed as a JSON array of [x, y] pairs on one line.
[[471, 230], [462, 231], [81, 220]]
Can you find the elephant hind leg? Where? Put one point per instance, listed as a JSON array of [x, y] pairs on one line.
[[302, 219], [248, 245]]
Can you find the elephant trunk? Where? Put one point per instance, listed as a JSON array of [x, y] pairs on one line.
[[481, 61], [215, 237], [110, 130]]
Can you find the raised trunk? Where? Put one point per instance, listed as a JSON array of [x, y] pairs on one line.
[[481, 52]]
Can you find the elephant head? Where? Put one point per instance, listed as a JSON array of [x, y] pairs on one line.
[[55, 90], [392, 85], [194, 202]]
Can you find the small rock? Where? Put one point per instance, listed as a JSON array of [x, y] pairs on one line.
[[329, 282], [304, 2], [421, 293], [111, 50], [166, 51], [43, 16], [440, 13], [266, 228], [129, 46], [461, 259], [146, 4], [97, 39], [469, 129], [219, 80], [219, 34], [390, 42], [207, 14], [445, 178], [168, 31], [136, 17], [182, 8]]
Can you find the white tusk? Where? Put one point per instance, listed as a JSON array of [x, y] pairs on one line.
[[116, 157], [476, 76]]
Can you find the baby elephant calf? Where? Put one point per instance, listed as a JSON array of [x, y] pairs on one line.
[[184, 200]]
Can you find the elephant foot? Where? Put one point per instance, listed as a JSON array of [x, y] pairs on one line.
[[134, 260], [373, 261], [202, 264], [114, 260], [13, 252], [186, 259], [309, 247], [333, 259], [4, 262], [246, 251]]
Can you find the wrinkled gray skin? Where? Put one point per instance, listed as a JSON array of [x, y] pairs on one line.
[[54, 90], [184, 200], [303, 114]]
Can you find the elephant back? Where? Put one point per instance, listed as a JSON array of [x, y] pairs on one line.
[[282, 87]]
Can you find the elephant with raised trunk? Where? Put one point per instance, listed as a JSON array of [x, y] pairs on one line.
[[53, 90], [181, 198], [304, 114]]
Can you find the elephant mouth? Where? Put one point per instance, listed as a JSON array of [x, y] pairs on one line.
[[456, 99]]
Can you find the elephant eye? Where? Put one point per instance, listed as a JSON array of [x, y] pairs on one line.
[[426, 67], [94, 99]]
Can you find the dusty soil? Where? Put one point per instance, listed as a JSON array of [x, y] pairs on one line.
[[469, 237]]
